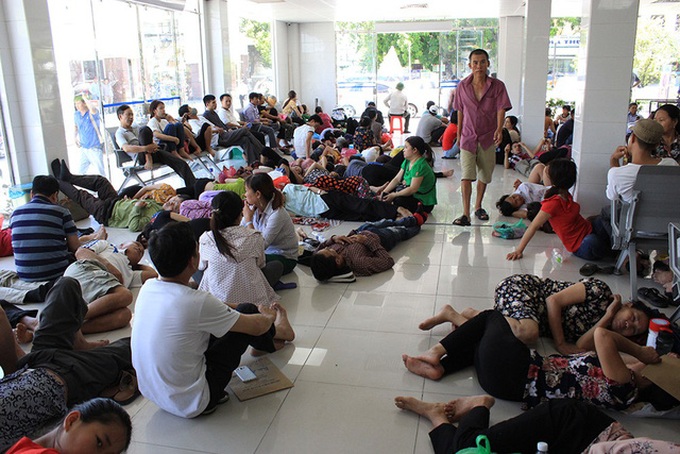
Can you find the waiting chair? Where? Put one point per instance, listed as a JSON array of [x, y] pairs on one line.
[[132, 169], [643, 223]]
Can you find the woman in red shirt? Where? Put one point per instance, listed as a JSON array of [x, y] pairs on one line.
[[98, 425], [583, 238]]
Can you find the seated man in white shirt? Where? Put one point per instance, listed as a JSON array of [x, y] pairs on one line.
[[644, 138], [185, 342], [106, 273]]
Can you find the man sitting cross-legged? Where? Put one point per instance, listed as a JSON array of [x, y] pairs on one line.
[[185, 342], [105, 273], [364, 251]]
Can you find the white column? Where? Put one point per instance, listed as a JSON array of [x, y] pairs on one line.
[[217, 58], [30, 88], [317, 57], [535, 72], [510, 45], [605, 65], [280, 58]]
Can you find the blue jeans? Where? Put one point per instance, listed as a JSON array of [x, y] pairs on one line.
[[453, 152], [392, 232], [597, 244]]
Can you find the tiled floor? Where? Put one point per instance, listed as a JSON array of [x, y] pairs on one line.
[[346, 360]]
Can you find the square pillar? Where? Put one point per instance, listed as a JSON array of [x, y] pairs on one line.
[[510, 46], [605, 66]]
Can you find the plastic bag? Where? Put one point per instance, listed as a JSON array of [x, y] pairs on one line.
[[509, 231], [483, 447]]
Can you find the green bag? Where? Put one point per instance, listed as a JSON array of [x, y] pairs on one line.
[[509, 231], [483, 447]]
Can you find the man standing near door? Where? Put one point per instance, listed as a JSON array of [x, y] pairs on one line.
[[481, 102], [88, 136]]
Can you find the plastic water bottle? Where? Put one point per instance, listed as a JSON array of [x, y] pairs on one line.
[[541, 447], [557, 258], [351, 146], [319, 237]]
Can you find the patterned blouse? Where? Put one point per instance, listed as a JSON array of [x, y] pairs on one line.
[[356, 186], [363, 138], [575, 376], [672, 152]]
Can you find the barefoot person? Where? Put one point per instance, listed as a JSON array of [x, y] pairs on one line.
[[565, 311], [202, 338], [487, 342], [567, 426]]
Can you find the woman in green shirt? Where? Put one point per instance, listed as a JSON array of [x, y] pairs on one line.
[[415, 182]]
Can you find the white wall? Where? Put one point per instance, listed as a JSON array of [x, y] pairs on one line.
[[318, 65]]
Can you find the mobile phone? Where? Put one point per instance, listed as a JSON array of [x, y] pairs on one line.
[[245, 374]]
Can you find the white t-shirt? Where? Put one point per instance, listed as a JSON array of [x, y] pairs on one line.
[[117, 257], [170, 334], [530, 192], [620, 180], [397, 101], [197, 124], [157, 126], [300, 140]]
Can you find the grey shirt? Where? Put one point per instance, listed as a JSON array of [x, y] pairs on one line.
[[127, 137], [427, 124]]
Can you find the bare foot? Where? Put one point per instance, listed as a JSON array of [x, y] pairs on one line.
[[23, 334], [80, 343], [148, 165], [403, 212], [424, 366], [446, 314], [301, 233], [448, 173], [458, 408], [432, 411], [101, 233], [284, 330], [470, 313]]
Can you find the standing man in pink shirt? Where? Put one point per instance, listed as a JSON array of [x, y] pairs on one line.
[[481, 102]]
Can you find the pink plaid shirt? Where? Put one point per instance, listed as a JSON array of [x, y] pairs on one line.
[[479, 117]]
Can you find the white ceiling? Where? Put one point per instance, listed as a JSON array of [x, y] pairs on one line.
[[406, 10]]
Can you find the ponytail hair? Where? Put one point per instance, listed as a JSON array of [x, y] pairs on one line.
[[562, 173], [263, 182], [424, 149], [227, 206], [106, 412]]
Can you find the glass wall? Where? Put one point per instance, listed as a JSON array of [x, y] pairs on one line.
[[113, 52], [430, 64]]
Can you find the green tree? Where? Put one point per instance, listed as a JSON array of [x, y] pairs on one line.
[[260, 33], [654, 48]]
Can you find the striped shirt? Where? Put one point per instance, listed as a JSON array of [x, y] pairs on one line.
[[39, 231]]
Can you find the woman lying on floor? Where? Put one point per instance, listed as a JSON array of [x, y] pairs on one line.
[[603, 378], [565, 311], [567, 426]]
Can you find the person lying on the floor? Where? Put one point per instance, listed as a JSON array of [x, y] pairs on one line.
[[314, 202], [106, 273], [364, 251], [567, 426], [110, 208], [602, 378], [98, 425], [515, 204], [61, 370], [567, 312], [203, 338]]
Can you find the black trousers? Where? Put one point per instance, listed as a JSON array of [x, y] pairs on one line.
[[350, 208], [165, 156], [500, 359], [224, 354], [243, 138], [101, 206], [86, 373], [568, 426]]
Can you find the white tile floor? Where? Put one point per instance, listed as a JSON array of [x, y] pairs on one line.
[[346, 360]]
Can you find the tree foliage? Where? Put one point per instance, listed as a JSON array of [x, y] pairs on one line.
[[654, 48], [260, 33]]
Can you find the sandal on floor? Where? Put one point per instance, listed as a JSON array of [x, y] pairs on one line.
[[463, 221], [125, 391], [284, 286], [591, 268], [482, 215], [653, 297]]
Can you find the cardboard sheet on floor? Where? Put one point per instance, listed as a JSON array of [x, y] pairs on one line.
[[665, 374], [269, 380]]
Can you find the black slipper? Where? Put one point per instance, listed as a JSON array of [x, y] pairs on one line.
[[482, 215], [653, 297], [56, 168], [463, 221], [591, 268]]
